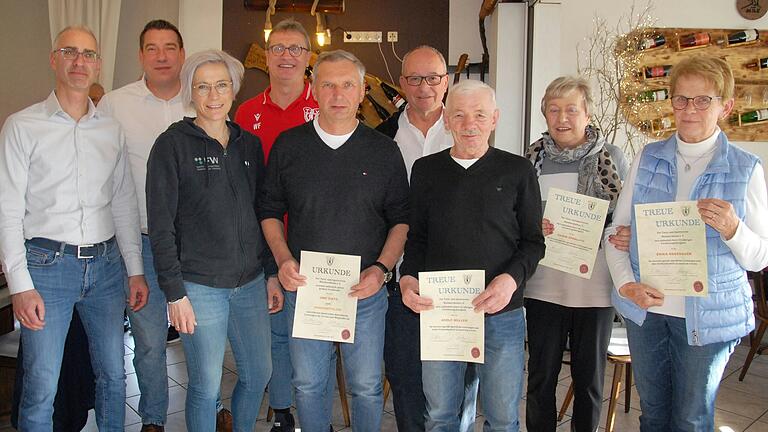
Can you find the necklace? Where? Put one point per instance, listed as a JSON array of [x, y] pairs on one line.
[[688, 164]]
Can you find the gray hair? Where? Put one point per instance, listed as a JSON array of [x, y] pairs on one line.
[[336, 56], [234, 67], [563, 86], [290, 25], [80, 28], [469, 86], [428, 48]]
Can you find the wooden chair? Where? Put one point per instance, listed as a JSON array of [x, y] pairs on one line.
[[618, 355], [761, 318], [340, 383]]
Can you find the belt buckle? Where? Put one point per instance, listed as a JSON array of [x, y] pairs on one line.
[[80, 255]]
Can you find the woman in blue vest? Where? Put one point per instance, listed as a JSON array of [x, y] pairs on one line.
[[680, 345]]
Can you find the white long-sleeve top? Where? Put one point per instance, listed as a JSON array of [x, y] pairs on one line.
[[64, 180], [749, 245]]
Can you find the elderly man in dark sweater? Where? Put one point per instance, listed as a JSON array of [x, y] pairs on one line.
[[346, 190], [475, 207]]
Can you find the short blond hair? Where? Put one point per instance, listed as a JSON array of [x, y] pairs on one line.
[[563, 86], [714, 70]]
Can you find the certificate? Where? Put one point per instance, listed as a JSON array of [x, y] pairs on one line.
[[579, 221], [324, 309], [672, 248], [452, 330]]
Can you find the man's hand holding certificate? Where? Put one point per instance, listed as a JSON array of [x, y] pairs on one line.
[[672, 248], [324, 309], [579, 220], [452, 330]]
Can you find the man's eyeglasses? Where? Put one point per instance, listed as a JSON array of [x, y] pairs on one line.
[[293, 50], [70, 53], [699, 102], [432, 80], [204, 89]]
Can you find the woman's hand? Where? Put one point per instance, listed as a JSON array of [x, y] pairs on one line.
[[621, 238], [182, 316], [547, 227], [642, 295], [719, 215], [409, 287]]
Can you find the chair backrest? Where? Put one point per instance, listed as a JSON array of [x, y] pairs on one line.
[[761, 296]]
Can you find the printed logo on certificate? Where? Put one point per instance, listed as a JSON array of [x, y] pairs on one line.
[[452, 330], [324, 309], [579, 221], [672, 248]]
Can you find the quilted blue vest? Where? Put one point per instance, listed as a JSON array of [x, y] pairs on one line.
[[726, 312]]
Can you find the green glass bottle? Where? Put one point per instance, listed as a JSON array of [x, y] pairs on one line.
[[754, 116]]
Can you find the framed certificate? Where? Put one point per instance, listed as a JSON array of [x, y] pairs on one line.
[[324, 309], [452, 330], [579, 221], [672, 248]]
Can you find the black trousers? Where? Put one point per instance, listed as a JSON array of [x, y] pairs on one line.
[[550, 328]]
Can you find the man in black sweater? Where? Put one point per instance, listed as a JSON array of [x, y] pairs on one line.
[[475, 207], [345, 188]]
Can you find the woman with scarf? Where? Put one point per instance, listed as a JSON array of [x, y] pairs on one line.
[[563, 309]]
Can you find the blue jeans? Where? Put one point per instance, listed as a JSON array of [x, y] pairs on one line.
[[677, 382], [280, 388], [402, 364], [240, 315], [95, 287], [149, 327], [362, 369], [501, 379]]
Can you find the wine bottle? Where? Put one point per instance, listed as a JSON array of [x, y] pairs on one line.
[[394, 96], [754, 116], [380, 110], [694, 40], [650, 96], [651, 42], [657, 71], [743, 36], [758, 64], [663, 123]]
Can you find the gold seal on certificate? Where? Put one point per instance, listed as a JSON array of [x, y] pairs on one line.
[[672, 248], [452, 330], [324, 309], [579, 221]]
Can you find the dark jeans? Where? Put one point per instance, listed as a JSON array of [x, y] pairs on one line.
[[402, 367], [550, 327], [75, 395]]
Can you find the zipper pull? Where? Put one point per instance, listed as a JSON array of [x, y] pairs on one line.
[[695, 337]]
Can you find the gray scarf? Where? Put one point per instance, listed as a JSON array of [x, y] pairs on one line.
[[598, 176]]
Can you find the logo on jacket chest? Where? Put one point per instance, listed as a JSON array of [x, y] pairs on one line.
[[211, 162], [310, 113]]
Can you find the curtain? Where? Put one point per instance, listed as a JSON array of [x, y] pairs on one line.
[[101, 16]]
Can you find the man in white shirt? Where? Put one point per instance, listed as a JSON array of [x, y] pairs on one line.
[[68, 213], [419, 131], [145, 109]]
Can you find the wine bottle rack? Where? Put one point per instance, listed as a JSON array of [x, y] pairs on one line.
[[751, 91]]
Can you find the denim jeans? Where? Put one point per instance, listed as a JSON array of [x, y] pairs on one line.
[[501, 379], [240, 315], [149, 327], [95, 287], [402, 364], [677, 383], [280, 388], [362, 369]]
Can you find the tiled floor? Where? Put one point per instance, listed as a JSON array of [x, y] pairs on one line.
[[741, 406]]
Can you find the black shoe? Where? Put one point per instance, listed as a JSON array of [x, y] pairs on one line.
[[173, 336], [284, 422], [126, 323]]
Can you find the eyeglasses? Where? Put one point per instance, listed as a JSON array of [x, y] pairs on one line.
[[204, 89], [699, 102], [69, 53], [293, 50], [432, 80]]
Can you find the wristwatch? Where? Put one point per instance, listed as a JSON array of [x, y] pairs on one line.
[[387, 272]]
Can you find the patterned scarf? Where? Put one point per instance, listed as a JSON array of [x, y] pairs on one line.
[[598, 176]]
